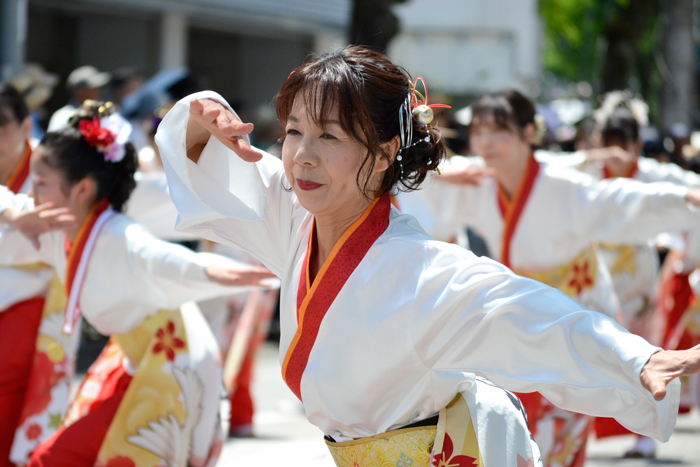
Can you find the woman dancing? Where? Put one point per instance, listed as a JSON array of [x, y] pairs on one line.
[[384, 328]]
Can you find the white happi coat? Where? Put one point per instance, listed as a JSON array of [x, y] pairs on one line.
[[634, 268], [417, 318], [566, 213]]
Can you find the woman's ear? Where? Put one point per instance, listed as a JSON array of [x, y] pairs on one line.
[[390, 148], [85, 191], [26, 127], [530, 134]]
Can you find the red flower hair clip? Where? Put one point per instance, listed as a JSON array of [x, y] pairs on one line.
[[108, 135], [95, 135]]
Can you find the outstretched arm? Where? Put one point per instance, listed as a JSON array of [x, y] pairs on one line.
[[526, 336]]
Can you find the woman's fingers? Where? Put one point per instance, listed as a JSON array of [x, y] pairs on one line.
[[221, 122], [238, 277], [666, 365]]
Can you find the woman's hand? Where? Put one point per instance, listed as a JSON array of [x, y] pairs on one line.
[[209, 117], [251, 275], [666, 365], [693, 195], [614, 158], [466, 176], [41, 219]]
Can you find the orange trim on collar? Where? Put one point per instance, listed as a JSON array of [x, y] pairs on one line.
[[629, 174], [346, 255], [21, 173], [513, 208], [75, 251]]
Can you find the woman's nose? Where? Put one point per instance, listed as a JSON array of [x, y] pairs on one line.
[[305, 154]]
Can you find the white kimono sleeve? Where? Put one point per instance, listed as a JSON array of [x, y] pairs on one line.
[[178, 272], [15, 248], [132, 275], [626, 211], [655, 171], [477, 316], [568, 160], [442, 208], [10, 200], [226, 199]]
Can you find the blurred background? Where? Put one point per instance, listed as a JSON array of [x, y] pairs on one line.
[[564, 53]]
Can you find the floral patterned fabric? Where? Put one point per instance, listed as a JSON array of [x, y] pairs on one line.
[[163, 419], [49, 382], [460, 439]]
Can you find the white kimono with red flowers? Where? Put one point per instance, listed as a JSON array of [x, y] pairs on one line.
[[394, 339], [138, 289]]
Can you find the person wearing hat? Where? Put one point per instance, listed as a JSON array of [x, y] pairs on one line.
[[83, 83]]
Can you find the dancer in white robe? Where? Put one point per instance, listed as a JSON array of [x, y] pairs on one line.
[[162, 364], [381, 325]]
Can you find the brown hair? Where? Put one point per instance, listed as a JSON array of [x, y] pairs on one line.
[[368, 91], [509, 108]]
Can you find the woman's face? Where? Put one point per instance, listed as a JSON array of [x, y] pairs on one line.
[[500, 148], [48, 185], [322, 165], [13, 135]]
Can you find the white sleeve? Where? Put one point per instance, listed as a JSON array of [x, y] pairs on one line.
[[225, 199], [133, 274], [668, 172], [443, 209], [626, 211], [10, 200], [571, 160], [178, 272], [526, 336], [15, 249]]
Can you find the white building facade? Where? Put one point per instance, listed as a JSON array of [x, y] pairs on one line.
[[467, 47]]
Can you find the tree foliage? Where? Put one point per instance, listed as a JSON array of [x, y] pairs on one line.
[[609, 43]]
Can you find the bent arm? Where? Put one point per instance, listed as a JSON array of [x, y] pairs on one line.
[[527, 337], [225, 199], [178, 273]]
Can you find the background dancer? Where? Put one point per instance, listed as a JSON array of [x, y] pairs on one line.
[[162, 364]]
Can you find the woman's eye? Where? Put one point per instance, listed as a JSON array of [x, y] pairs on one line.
[[292, 131], [328, 136]]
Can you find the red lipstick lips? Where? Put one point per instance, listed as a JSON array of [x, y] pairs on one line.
[[307, 185]]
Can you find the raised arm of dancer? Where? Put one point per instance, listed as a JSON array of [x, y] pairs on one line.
[[226, 195]]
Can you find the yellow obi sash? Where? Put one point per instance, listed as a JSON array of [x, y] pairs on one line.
[[404, 447], [452, 441], [572, 278], [625, 258]]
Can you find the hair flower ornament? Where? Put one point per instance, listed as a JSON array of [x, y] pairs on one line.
[[108, 135]]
